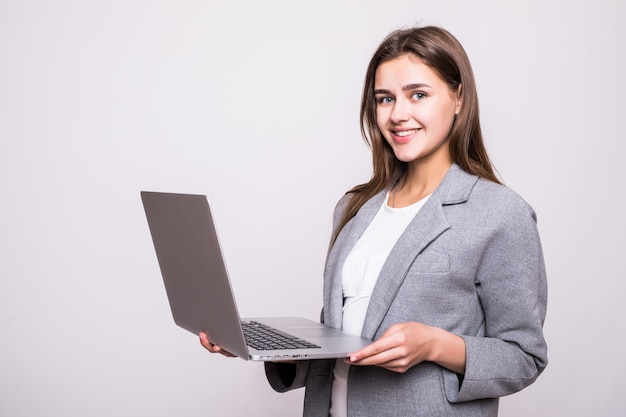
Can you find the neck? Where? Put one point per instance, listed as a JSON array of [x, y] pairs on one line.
[[418, 181]]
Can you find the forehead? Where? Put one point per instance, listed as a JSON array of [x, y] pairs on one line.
[[405, 69]]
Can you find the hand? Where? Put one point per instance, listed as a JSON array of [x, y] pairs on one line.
[[404, 345], [204, 341]]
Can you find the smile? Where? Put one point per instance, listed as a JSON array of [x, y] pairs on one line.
[[405, 132]]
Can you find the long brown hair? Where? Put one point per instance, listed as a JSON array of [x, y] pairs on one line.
[[437, 48]]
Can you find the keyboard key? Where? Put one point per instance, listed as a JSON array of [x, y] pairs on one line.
[[263, 337]]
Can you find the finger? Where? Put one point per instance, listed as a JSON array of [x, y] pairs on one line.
[[217, 349], [383, 358], [393, 360], [390, 339], [206, 343], [381, 345]]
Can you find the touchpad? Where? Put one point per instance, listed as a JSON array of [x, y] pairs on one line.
[[316, 332]]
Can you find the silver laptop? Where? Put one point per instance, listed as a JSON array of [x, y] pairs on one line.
[[200, 294]]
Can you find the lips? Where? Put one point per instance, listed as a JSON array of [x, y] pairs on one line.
[[404, 136]]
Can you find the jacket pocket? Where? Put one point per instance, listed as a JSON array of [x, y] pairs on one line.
[[432, 264]]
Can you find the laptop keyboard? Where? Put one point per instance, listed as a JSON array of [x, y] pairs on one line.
[[263, 337]]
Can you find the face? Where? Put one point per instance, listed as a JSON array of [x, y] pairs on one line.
[[414, 110]]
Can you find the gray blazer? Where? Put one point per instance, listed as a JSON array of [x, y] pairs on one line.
[[469, 262]]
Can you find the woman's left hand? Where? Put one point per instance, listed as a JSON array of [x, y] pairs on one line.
[[404, 345]]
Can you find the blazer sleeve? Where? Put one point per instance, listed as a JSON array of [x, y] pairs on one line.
[[284, 377], [509, 352]]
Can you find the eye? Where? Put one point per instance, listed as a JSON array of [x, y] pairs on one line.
[[384, 100], [418, 95]]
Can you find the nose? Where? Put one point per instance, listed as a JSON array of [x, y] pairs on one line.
[[400, 111]]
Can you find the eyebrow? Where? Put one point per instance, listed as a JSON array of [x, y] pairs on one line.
[[407, 87]]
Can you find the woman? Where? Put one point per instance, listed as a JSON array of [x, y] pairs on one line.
[[433, 259]]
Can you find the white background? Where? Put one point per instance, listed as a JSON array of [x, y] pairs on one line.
[[255, 103]]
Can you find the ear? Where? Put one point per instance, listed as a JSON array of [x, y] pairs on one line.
[[459, 99]]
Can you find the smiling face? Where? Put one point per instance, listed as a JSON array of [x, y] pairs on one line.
[[415, 110]]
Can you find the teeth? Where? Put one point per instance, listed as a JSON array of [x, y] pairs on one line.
[[406, 133]]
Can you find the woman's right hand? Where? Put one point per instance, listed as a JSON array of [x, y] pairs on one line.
[[204, 341]]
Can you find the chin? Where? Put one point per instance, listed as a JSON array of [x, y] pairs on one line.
[[403, 157]]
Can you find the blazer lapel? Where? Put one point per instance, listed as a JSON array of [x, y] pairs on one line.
[[429, 223], [352, 231]]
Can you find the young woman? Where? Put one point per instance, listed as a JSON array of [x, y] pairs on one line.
[[433, 259]]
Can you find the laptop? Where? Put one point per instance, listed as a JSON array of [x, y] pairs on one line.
[[200, 294]]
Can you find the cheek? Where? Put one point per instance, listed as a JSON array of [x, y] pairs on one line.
[[382, 122], [380, 117], [439, 118]]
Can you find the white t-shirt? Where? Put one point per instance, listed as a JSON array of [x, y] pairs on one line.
[[359, 275]]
